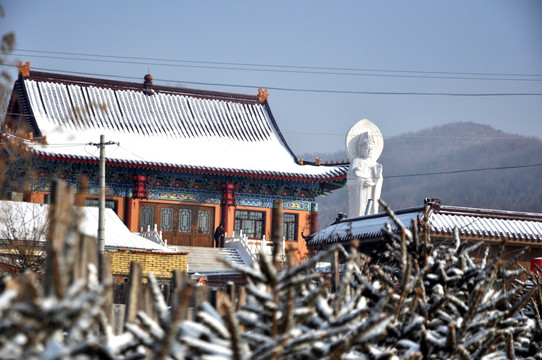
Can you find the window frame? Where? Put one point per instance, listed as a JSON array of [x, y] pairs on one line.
[[239, 223], [109, 203], [288, 224]]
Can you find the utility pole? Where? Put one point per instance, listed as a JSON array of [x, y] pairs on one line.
[[101, 202]]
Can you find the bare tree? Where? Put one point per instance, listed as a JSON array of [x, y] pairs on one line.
[[14, 159], [23, 229], [7, 45]]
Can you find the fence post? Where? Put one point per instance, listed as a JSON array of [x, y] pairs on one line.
[[108, 293], [230, 289], [145, 303], [221, 298], [335, 273], [213, 297], [178, 280], [60, 221], [134, 292], [241, 298]]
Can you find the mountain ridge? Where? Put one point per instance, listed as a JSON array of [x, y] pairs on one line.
[[452, 162]]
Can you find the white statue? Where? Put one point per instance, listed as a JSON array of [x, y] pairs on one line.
[[364, 144]]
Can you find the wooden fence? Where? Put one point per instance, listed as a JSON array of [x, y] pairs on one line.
[[72, 256]]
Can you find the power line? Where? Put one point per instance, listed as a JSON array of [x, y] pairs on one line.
[[319, 71], [278, 66], [450, 172], [462, 137], [387, 177], [298, 89], [294, 89], [463, 171], [131, 152]]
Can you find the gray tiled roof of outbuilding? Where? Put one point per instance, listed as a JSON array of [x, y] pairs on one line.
[[472, 223]]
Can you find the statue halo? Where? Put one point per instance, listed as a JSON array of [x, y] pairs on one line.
[[355, 131]]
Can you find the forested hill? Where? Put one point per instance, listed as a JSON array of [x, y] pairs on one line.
[[443, 162]]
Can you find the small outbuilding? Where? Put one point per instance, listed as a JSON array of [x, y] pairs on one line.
[[517, 229]]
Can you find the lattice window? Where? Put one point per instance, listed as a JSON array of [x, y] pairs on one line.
[[185, 220], [204, 221], [147, 217], [166, 219]]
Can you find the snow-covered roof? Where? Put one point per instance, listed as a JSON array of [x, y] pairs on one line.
[[27, 220], [483, 224], [363, 227], [117, 235], [174, 128], [486, 223]]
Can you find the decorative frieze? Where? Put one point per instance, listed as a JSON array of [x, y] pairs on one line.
[[195, 188], [296, 205], [187, 195], [252, 200], [266, 201]]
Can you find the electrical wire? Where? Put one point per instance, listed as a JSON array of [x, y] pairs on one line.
[[366, 92], [287, 71], [318, 91], [125, 149], [342, 69], [387, 177], [60, 145], [463, 171], [298, 89], [463, 137]]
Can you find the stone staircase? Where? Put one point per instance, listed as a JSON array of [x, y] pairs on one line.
[[203, 259]]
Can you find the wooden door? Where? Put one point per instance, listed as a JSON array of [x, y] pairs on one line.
[[186, 225]]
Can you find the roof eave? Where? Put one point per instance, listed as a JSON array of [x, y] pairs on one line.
[[197, 169]]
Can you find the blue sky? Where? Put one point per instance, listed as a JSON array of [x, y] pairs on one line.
[[326, 64]]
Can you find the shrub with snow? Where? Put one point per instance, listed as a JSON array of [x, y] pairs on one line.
[[420, 301]]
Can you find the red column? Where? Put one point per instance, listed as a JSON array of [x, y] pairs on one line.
[[228, 199], [131, 214]]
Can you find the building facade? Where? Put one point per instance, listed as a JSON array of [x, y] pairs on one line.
[[182, 159]]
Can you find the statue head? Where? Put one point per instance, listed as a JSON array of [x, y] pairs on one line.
[[364, 140], [366, 145]]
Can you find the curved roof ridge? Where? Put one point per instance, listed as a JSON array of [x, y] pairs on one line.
[[175, 128], [136, 86]]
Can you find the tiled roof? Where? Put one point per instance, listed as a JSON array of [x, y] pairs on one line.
[[487, 224], [483, 224], [174, 128], [117, 235], [363, 227]]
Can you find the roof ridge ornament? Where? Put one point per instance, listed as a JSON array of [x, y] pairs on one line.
[[24, 69], [434, 203], [263, 95], [147, 85]]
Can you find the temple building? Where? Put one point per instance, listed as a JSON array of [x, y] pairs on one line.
[[181, 159]]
